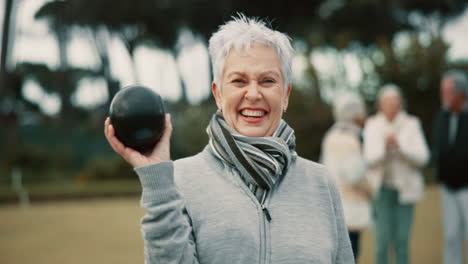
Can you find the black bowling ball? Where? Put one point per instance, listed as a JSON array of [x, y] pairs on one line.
[[137, 115]]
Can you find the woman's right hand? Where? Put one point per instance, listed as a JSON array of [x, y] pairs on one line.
[[160, 153]]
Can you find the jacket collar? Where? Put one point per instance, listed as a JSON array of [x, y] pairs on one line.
[[347, 126], [400, 118]]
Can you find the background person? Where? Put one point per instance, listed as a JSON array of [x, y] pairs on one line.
[[395, 151], [450, 154], [343, 156], [247, 197]]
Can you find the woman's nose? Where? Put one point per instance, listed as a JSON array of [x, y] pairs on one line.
[[253, 92]]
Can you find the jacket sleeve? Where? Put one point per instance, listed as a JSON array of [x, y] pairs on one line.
[[343, 253], [166, 227], [374, 144], [412, 144]]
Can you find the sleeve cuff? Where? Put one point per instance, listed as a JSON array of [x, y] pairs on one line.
[[156, 176]]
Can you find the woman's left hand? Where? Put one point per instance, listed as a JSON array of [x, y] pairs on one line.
[[160, 153]]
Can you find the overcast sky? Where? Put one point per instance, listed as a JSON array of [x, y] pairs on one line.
[[155, 68]]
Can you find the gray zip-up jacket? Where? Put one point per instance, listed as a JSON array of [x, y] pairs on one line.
[[200, 211]]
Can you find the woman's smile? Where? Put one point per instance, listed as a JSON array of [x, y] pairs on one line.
[[253, 115]]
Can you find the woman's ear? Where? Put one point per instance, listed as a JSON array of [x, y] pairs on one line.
[[217, 95]]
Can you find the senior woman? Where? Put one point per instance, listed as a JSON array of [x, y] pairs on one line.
[[343, 156], [395, 150], [247, 197]]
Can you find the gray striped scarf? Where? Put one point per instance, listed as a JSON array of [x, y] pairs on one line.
[[260, 161]]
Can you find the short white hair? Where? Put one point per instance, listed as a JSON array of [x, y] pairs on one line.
[[460, 79], [240, 33], [390, 89], [348, 106]]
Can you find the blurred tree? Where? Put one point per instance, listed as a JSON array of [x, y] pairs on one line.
[[368, 29], [5, 47], [337, 23], [135, 23], [51, 80], [62, 19], [65, 87], [9, 87], [190, 122], [101, 39], [373, 30]]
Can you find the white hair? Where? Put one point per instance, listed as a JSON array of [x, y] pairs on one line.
[[460, 79], [389, 89], [347, 107], [240, 33]]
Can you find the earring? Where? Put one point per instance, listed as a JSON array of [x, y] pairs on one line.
[[284, 111]]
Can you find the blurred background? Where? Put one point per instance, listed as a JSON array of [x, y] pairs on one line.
[[65, 195]]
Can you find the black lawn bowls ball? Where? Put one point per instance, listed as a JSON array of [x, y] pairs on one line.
[[137, 115]]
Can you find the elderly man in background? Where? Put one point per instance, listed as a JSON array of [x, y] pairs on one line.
[[395, 151], [450, 154], [342, 154]]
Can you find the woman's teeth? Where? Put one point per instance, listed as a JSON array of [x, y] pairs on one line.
[[253, 113]]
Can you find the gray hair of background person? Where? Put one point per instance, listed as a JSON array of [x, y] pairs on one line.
[[347, 107], [241, 33], [460, 79], [390, 89]]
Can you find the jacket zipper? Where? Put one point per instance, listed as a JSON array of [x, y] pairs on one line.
[[264, 207], [266, 212], [266, 220]]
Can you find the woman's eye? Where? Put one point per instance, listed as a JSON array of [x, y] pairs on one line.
[[269, 81], [238, 81]]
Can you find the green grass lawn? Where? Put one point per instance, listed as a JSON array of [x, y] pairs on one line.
[[107, 231]]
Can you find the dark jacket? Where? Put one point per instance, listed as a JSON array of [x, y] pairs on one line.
[[451, 160]]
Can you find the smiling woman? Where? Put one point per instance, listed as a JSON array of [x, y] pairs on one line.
[[247, 197]]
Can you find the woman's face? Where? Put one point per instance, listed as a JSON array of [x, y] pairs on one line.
[[390, 106], [251, 94]]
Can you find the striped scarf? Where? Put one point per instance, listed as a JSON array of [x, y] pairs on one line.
[[260, 161]]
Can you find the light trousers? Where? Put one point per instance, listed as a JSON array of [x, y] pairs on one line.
[[455, 223], [393, 222]]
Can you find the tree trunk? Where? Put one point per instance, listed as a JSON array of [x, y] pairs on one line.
[[66, 86], [5, 42], [8, 114], [101, 40]]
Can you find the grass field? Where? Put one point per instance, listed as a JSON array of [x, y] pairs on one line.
[[71, 190], [107, 231]]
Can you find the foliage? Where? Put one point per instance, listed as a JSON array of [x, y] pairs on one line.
[[53, 80], [72, 142], [38, 164], [310, 119], [105, 168], [190, 122]]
